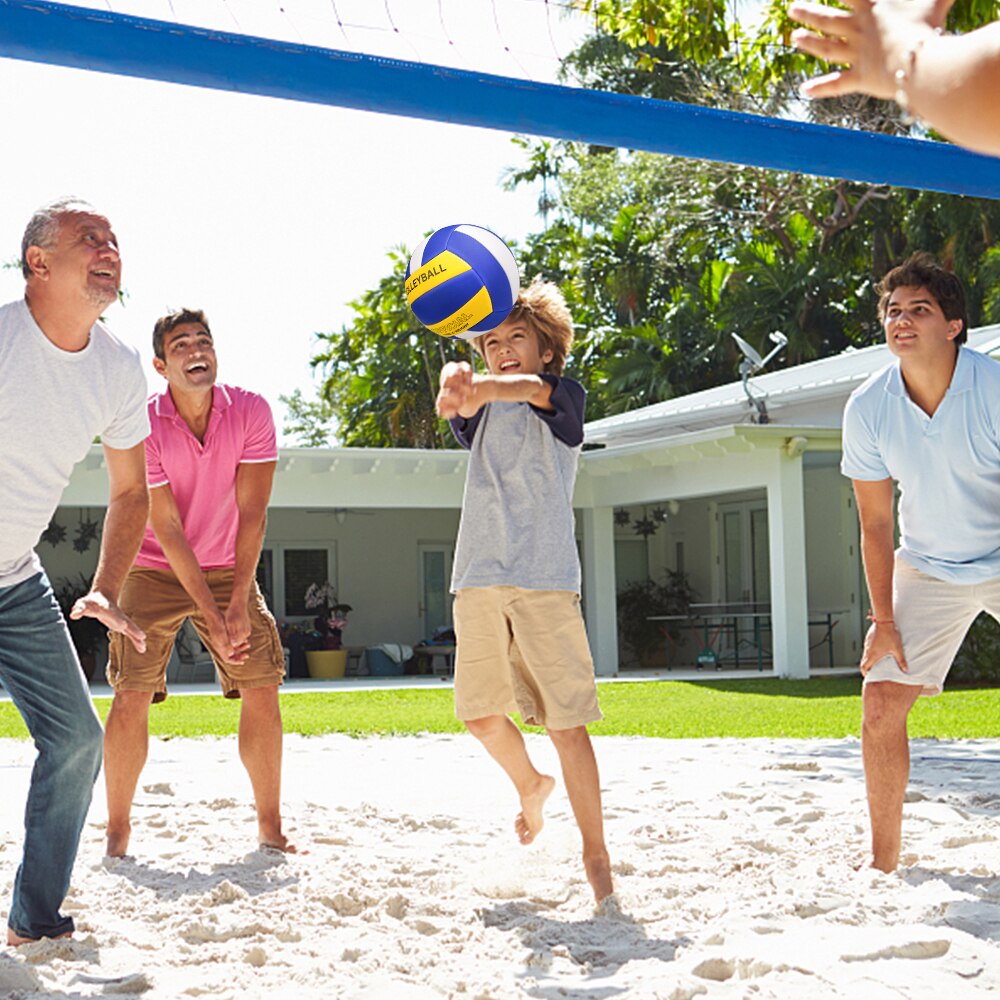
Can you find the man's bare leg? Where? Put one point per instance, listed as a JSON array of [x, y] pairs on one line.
[[126, 745], [583, 785], [885, 751], [505, 744], [260, 750]]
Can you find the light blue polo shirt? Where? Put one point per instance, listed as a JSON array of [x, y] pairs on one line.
[[947, 466]]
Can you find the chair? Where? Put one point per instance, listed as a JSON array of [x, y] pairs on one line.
[[190, 662]]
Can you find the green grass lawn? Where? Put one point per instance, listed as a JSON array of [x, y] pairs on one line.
[[824, 707]]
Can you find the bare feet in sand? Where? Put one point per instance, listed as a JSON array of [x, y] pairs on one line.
[[275, 840], [598, 869], [117, 845], [15, 940], [529, 820]]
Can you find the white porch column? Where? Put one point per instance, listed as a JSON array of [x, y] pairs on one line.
[[599, 588], [787, 546]]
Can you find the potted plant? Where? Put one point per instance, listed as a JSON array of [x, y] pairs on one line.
[[88, 634], [326, 656], [642, 599]]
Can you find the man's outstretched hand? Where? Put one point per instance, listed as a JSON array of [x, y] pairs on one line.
[[100, 606]]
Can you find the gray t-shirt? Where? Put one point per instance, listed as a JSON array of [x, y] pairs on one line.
[[517, 526], [52, 404]]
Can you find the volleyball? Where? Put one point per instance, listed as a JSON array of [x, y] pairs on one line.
[[462, 281]]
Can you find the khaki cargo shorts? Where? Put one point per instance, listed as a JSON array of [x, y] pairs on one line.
[[526, 651], [932, 616], [155, 600]]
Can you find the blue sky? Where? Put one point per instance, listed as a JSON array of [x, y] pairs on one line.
[[270, 215]]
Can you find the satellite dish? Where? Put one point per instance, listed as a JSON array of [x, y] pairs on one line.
[[751, 357], [752, 362], [749, 351]]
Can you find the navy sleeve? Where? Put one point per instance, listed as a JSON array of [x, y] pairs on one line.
[[569, 399], [464, 428]]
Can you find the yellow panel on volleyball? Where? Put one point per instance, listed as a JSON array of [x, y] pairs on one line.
[[436, 271], [473, 312]]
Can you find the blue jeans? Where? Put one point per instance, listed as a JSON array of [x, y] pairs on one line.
[[39, 669]]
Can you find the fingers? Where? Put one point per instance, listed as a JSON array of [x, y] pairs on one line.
[[940, 12], [832, 85], [826, 47], [135, 635], [901, 659], [446, 406], [828, 20], [112, 618]]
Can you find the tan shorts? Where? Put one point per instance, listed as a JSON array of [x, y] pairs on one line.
[[526, 651], [155, 600], [932, 616]]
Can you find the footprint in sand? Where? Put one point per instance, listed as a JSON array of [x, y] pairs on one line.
[[255, 956], [912, 949], [810, 817], [216, 804], [159, 788], [982, 838], [718, 970]]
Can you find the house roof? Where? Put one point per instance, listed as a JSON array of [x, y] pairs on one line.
[[806, 395]]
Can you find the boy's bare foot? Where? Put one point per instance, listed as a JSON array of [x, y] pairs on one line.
[[117, 846], [529, 820], [277, 841], [598, 869], [15, 940]]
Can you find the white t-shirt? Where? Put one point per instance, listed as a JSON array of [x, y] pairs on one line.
[[947, 466], [52, 405]]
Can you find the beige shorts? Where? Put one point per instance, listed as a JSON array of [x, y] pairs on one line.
[[932, 616], [155, 600], [526, 651]]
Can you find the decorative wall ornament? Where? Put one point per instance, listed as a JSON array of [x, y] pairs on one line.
[[86, 533], [54, 533], [644, 527]]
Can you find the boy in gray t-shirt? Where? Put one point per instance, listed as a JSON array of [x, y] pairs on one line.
[[521, 643]]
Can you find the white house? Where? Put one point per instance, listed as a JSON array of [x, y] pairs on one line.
[[754, 513]]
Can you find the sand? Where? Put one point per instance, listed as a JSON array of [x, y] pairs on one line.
[[735, 864]]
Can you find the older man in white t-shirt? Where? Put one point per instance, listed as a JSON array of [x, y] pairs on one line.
[[64, 378], [931, 423]]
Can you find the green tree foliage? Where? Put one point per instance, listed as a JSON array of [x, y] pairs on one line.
[[662, 258], [381, 372], [743, 56], [309, 421]]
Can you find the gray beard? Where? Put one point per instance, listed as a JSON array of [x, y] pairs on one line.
[[100, 299]]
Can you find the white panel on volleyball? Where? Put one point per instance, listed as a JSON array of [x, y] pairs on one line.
[[500, 251]]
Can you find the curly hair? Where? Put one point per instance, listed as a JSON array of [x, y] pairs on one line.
[[542, 308], [921, 270]]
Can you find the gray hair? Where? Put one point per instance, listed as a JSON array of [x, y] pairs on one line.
[[43, 229]]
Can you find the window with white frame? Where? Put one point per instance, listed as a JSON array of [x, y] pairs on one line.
[[285, 573]]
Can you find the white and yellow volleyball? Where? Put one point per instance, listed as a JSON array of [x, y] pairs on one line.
[[462, 281]]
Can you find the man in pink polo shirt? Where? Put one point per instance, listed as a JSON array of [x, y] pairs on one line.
[[210, 461]]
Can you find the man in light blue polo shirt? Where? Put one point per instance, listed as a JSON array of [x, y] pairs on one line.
[[931, 423]]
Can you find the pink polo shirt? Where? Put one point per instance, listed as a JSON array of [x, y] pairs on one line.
[[202, 476]]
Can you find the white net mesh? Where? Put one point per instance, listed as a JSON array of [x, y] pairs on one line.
[[526, 39]]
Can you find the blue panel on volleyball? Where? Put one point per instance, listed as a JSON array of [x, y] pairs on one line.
[[461, 281]]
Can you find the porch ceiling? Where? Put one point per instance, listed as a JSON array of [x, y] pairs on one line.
[[411, 478]]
